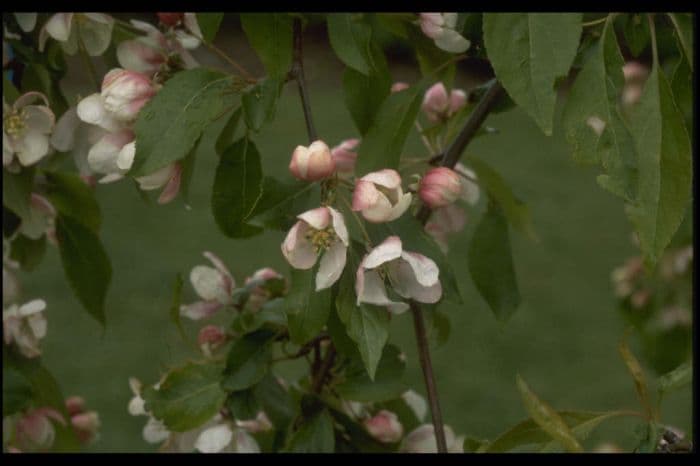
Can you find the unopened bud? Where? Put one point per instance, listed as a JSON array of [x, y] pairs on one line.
[[170, 19], [312, 163], [385, 427], [439, 187], [75, 405], [399, 86], [125, 92], [344, 155]]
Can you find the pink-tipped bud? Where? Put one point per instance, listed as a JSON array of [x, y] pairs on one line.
[[399, 86], [312, 163], [344, 155], [436, 102], [211, 337], [125, 92], [86, 426], [75, 405], [385, 427], [170, 19], [439, 187], [458, 99]]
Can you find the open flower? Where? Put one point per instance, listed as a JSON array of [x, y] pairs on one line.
[[154, 431], [422, 440], [93, 31], [213, 284], [223, 438], [441, 28], [73, 135], [438, 106], [312, 163], [259, 290], [34, 431], [412, 276], [211, 337], [168, 177], [385, 427], [319, 231], [25, 325], [26, 129], [112, 155], [379, 197]]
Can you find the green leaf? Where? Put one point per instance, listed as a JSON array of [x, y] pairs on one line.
[[593, 100], [541, 48], [682, 86], [17, 392], [36, 77], [636, 32], [314, 436], [430, 57], [367, 325], [307, 309], [637, 373], [683, 22], [237, 188], [270, 34], [188, 397], [175, 305], [582, 430], [276, 401], [170, 124], [28, 252], [350, 38], [243, 404], [226, 137], [364, 96], [438, 324], [491, 264], [547, 418], [387, 384], [73, 198], [282, 201], [665, 167], [248, 360], [383, 144], [260, 102], [209, 25], [8, 89], [516, 211], [677, 378], [17, 190], [272, 312], [188, 172], [85, 264]]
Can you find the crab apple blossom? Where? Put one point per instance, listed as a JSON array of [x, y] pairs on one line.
[[154, 431], [85, 425], [379, 198], [312, 163], [416, 402], [422, 440], [221, 437], [344, 155], [26, 129], [412, 276], [91, 31], [34, 431], [211, 337], [123, 94], [213, 284], [439, 187], [259, 292], [319, 231], [25, 325], [439, 106], [470, 188], [441, 28], [168, 177], [73, 135], [399, 86], [112, 155], [384, 426]]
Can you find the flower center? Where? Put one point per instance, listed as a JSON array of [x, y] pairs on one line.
[[321, 239], [14, 123]]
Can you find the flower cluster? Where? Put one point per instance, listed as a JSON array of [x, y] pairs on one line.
[[441, 28]]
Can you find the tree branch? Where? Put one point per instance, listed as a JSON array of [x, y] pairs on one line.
[[324, 371], [297, 72]]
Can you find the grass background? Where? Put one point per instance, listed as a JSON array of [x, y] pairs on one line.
[[563, 339]]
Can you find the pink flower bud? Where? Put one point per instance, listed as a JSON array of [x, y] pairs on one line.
[[312, 163], [344, 155], [458, 99], [432, 24], [35, 430], [75, 405], [439, 187], [85, 426], [125, 92], [385, 427], [379, 197], [399, 86], [211, 334], [436, 102], [170, 19]]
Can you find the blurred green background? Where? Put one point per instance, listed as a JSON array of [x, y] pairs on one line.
[[563, 339]]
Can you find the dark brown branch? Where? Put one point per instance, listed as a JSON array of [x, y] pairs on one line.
[[325, 369], [298, 73]]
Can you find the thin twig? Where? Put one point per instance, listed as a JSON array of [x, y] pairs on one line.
[[324, 371], [298, 72]]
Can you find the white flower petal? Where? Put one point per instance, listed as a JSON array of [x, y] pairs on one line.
[[63, 137], [297, 249], [200, 309], [155, 431], [425, 270], [26, 21], [387, 178], [33, 147], [245, 443], [59, 26], [126, 155], [388, 250], [157, 179], [400, 207], [451, 41], [339, 226], [209, 284], [369, 288], [214, 439], [92, 110], [331, 266], [96, 34], [318, 218], [417, 403]]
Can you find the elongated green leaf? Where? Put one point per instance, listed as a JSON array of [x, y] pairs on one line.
[[682, 87], [307, 309], [547, 418], [384, 141], [226, 137], [350, 38], [209, 25], [540, 48], [677, 378], [636, 31], [516, 211], [169, 125], [275, 400], [367, 325], [8, 89], [364, 96], [237, 188], [387, 384], [85, 264], [260, 102], [637, 373], [270, 34], [582, 430], [16, 191], [592, 120], [282, 201], [248, 361], [665, 167], [491, 264], [683, 22], [243, 404], [314, 436], [16, 391], [73, 198], [188, 397]]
